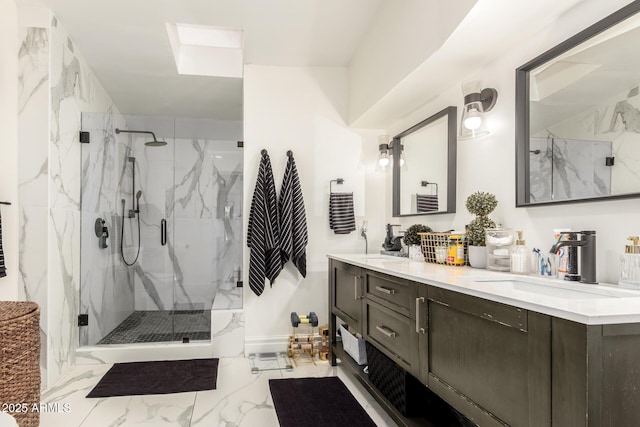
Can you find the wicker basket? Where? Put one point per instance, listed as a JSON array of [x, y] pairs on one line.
[[445, 248], [20, 361]]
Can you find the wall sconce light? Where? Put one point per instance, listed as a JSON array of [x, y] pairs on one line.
[[385, 157], [477, 101]]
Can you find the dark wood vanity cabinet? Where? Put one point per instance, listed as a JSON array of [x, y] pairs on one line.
[[489, 360], [497, 364]]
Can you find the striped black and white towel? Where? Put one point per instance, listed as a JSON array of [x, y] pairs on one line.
[[3, 268], [342, 218], [427, 203], [293, 221], [263, 234]]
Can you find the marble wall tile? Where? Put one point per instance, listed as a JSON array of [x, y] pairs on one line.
[[540, 155], [579, 169], [106, 283], [73, 89], [33, 125], [562, 169], [613, 121], [33, 259], [33, 119], [118, 353], [64, 289], [227, 333]]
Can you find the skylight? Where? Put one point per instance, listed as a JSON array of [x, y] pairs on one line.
[[206, 51], [202, 35]]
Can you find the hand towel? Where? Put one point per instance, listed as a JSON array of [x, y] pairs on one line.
[[342, 218], [263, 234], [427, 203], [293, 221]]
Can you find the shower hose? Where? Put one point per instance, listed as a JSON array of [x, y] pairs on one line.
[[122, 240]]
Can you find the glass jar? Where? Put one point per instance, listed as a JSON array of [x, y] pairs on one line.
[[499, 243]]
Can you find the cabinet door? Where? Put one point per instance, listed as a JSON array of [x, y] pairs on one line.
[[346, 294], [489, 360]]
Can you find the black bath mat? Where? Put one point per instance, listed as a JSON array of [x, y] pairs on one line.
[[162, 377], [316, 402]]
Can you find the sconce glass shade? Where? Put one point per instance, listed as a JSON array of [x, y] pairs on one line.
[[477, 101], [384, 158]]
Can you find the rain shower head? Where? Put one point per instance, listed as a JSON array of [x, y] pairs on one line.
[[154, 143]]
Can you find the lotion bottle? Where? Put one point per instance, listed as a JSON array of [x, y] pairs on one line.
[[520, 262]]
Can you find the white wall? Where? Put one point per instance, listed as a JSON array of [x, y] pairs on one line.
[[401, 36], [304, 110], [9, 145], [489, 164]]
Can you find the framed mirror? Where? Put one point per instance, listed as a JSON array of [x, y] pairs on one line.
[[424, 166], [578, 116]]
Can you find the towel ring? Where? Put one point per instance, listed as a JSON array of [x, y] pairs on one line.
[[337, 181], [426, 184]]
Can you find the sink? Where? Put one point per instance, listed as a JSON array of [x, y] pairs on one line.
[[562, 291]]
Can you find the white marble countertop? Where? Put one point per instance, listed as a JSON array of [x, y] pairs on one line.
[[588, 304]]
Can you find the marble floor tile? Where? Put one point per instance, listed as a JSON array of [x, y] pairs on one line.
[[155, 410], [242, 399], [69, 394]]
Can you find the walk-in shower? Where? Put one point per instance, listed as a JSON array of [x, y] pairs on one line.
[[176, 210]]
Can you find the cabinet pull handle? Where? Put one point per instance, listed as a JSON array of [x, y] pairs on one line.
[[388, 332], [163, 232], [419, 330], [386, 290], [355, 287]]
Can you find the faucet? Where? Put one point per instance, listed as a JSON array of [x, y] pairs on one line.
[[363, 233], [587, 244]]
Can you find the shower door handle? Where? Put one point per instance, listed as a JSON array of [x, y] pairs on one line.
[[163, 232]]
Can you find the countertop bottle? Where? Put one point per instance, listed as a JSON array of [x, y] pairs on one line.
[[630, 268], [520, 262]]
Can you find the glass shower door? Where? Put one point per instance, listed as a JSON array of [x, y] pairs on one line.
[[207, 223]]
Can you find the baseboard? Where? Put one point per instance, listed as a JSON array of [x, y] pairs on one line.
[[270, 344]]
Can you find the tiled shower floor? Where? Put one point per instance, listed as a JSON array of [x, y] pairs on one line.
[[160, 326]]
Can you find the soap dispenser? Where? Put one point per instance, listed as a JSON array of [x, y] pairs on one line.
[[630, 268], [520, 262]]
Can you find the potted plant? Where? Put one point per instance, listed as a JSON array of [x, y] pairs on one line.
[[413, 240], [480, 204]]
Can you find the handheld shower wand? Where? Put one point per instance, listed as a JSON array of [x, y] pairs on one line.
[[138, 195]]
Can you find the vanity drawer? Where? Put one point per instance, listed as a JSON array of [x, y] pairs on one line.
[[390, 331], [385, 289]]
